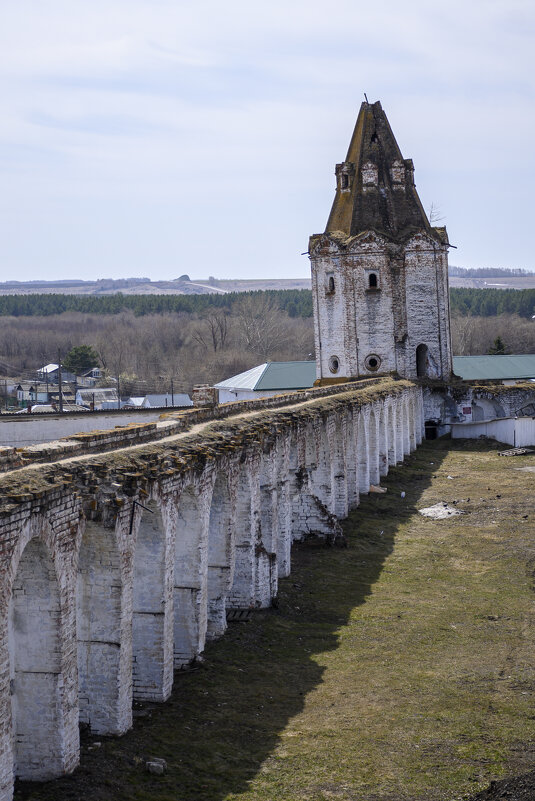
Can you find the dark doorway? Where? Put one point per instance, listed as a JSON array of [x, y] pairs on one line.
[[421, 361]]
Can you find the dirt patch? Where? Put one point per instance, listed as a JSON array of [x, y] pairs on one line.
[[439, 511], [520, 788]]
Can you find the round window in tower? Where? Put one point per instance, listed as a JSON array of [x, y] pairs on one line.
[[372, 362], [334, 364]]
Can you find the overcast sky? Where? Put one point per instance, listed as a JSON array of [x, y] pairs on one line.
[[164, 137]]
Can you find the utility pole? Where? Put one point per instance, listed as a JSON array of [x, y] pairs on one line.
[[46, 379], [172, 394], [5, 392], [118, 393], [59, 381]]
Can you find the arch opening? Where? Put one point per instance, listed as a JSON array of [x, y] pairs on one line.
[[391, 435], [151, 641], [338, 469], [35, 666], [363, 457], [373, 449], [383, 442], [187, 590], [242, 593], [104, 695], [266, 578], [351, 463], [284, 504], [219, 557], [422, 352]]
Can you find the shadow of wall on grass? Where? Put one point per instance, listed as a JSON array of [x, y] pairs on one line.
[[225, 717]]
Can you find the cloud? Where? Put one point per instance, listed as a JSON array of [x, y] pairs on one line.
[[181, 129]]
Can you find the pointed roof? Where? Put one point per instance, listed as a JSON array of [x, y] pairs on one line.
[[375, 185]]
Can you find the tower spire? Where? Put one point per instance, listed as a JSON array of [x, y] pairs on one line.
[[375, 185]]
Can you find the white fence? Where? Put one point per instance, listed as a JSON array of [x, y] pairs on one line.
[[515, 431]]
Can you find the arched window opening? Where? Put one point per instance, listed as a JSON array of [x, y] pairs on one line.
[[330, 284], [421, 360], [372, 281]]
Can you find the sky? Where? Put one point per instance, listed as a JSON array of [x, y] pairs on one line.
[[165, 137]]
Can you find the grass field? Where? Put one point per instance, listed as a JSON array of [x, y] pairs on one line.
[[400, 668]]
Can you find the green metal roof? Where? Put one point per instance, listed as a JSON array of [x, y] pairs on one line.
[[487, 368], [287, 375], [273, 376]]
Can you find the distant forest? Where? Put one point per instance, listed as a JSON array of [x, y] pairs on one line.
[[487, 272], [492, 302], [295, 302], [149, 341]]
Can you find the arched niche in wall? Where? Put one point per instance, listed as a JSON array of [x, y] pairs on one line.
[[391, 434], [220, 556], [37, 681], [188, 579], [373, 448], [283, 544], [363, 456], [104, 668], [266, 577], [151, 637], [422, 352], [242, 594], [383, 441]]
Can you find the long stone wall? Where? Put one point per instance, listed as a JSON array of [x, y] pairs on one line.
[[118, 567]]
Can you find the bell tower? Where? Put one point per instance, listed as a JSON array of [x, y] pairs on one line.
[[380, 270]]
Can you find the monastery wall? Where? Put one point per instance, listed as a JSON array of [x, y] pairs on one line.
[[117, 567]]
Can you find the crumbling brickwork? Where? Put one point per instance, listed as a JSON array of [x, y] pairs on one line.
[[119, 566], [380, 270]]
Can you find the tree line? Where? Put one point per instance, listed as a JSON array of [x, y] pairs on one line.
[[492, 302], [148, 351], [147, 345], [295, 302], [487, 272]]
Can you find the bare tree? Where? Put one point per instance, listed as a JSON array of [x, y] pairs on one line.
[[213, 330], [261, 323], [434, 214]]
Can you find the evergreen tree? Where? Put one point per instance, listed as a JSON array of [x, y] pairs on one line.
[[498, 348], [80, 359]]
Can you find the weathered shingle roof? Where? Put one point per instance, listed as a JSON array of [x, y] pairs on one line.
[[390, 207], [487, 368]]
